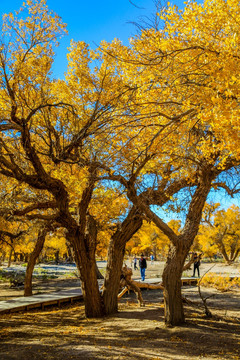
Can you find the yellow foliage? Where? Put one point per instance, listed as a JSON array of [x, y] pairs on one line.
[[149, 239], [163, 107], [222, 283], [55, 243], [221, 234]]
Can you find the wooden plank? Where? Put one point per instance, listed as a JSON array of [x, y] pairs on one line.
[[40, 300]]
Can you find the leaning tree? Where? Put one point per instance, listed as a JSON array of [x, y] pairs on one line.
[[183, 120], [50, 133]]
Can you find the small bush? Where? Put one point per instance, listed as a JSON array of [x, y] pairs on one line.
[[3, 275], [17, 279], [222, 283]]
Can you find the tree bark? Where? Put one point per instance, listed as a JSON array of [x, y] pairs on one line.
[[174, 312], [116, 250], [10, 257], [129, 284], [84, 245], [112, 277], [70, 253], [236, 254], [221, 245], [190, 262], [3, 256], [32, 261], [224, 253], [56, 257], [88, 275]]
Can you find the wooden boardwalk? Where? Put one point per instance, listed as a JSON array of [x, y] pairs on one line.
[[26, 303], [60, 297]]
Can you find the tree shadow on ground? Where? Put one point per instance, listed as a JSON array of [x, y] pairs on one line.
[[132, 333]]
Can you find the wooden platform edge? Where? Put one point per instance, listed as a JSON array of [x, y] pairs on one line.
[[41, 305]]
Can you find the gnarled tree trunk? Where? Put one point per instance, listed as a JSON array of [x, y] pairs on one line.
[[174, 313], [112, 276], [93, 302], [124, 233], [129, 284], [32, 261], [84, 245]]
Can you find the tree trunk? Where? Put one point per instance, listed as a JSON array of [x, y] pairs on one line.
[[123, 234], [221, 246], [84, 246], [88, 275], [56, 257], [10, 257], [128, 284], [225, 255], [174, 313], [70, 253], [32, 261], [93, 302], [112, 277], [190, 262], [236, 254], [155, 253], [3, 256]]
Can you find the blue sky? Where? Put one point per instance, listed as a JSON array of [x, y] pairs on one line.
[[92, 21]]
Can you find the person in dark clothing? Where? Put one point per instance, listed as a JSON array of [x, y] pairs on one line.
[[196, 264], [143, 266]]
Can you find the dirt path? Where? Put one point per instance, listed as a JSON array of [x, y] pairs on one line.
[[133, 333]]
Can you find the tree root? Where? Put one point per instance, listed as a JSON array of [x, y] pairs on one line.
[[127, 284]]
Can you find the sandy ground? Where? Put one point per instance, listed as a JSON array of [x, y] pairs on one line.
[[134, 333], [156, 269]]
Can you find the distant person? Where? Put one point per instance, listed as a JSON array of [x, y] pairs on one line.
[[143, 266], [152, 259], [135, 263], [196, 264]]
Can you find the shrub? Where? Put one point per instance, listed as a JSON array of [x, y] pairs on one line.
[[222, 283]]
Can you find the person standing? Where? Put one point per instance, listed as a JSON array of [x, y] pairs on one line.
[[196, 264], [143, 266], [152, 259]]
